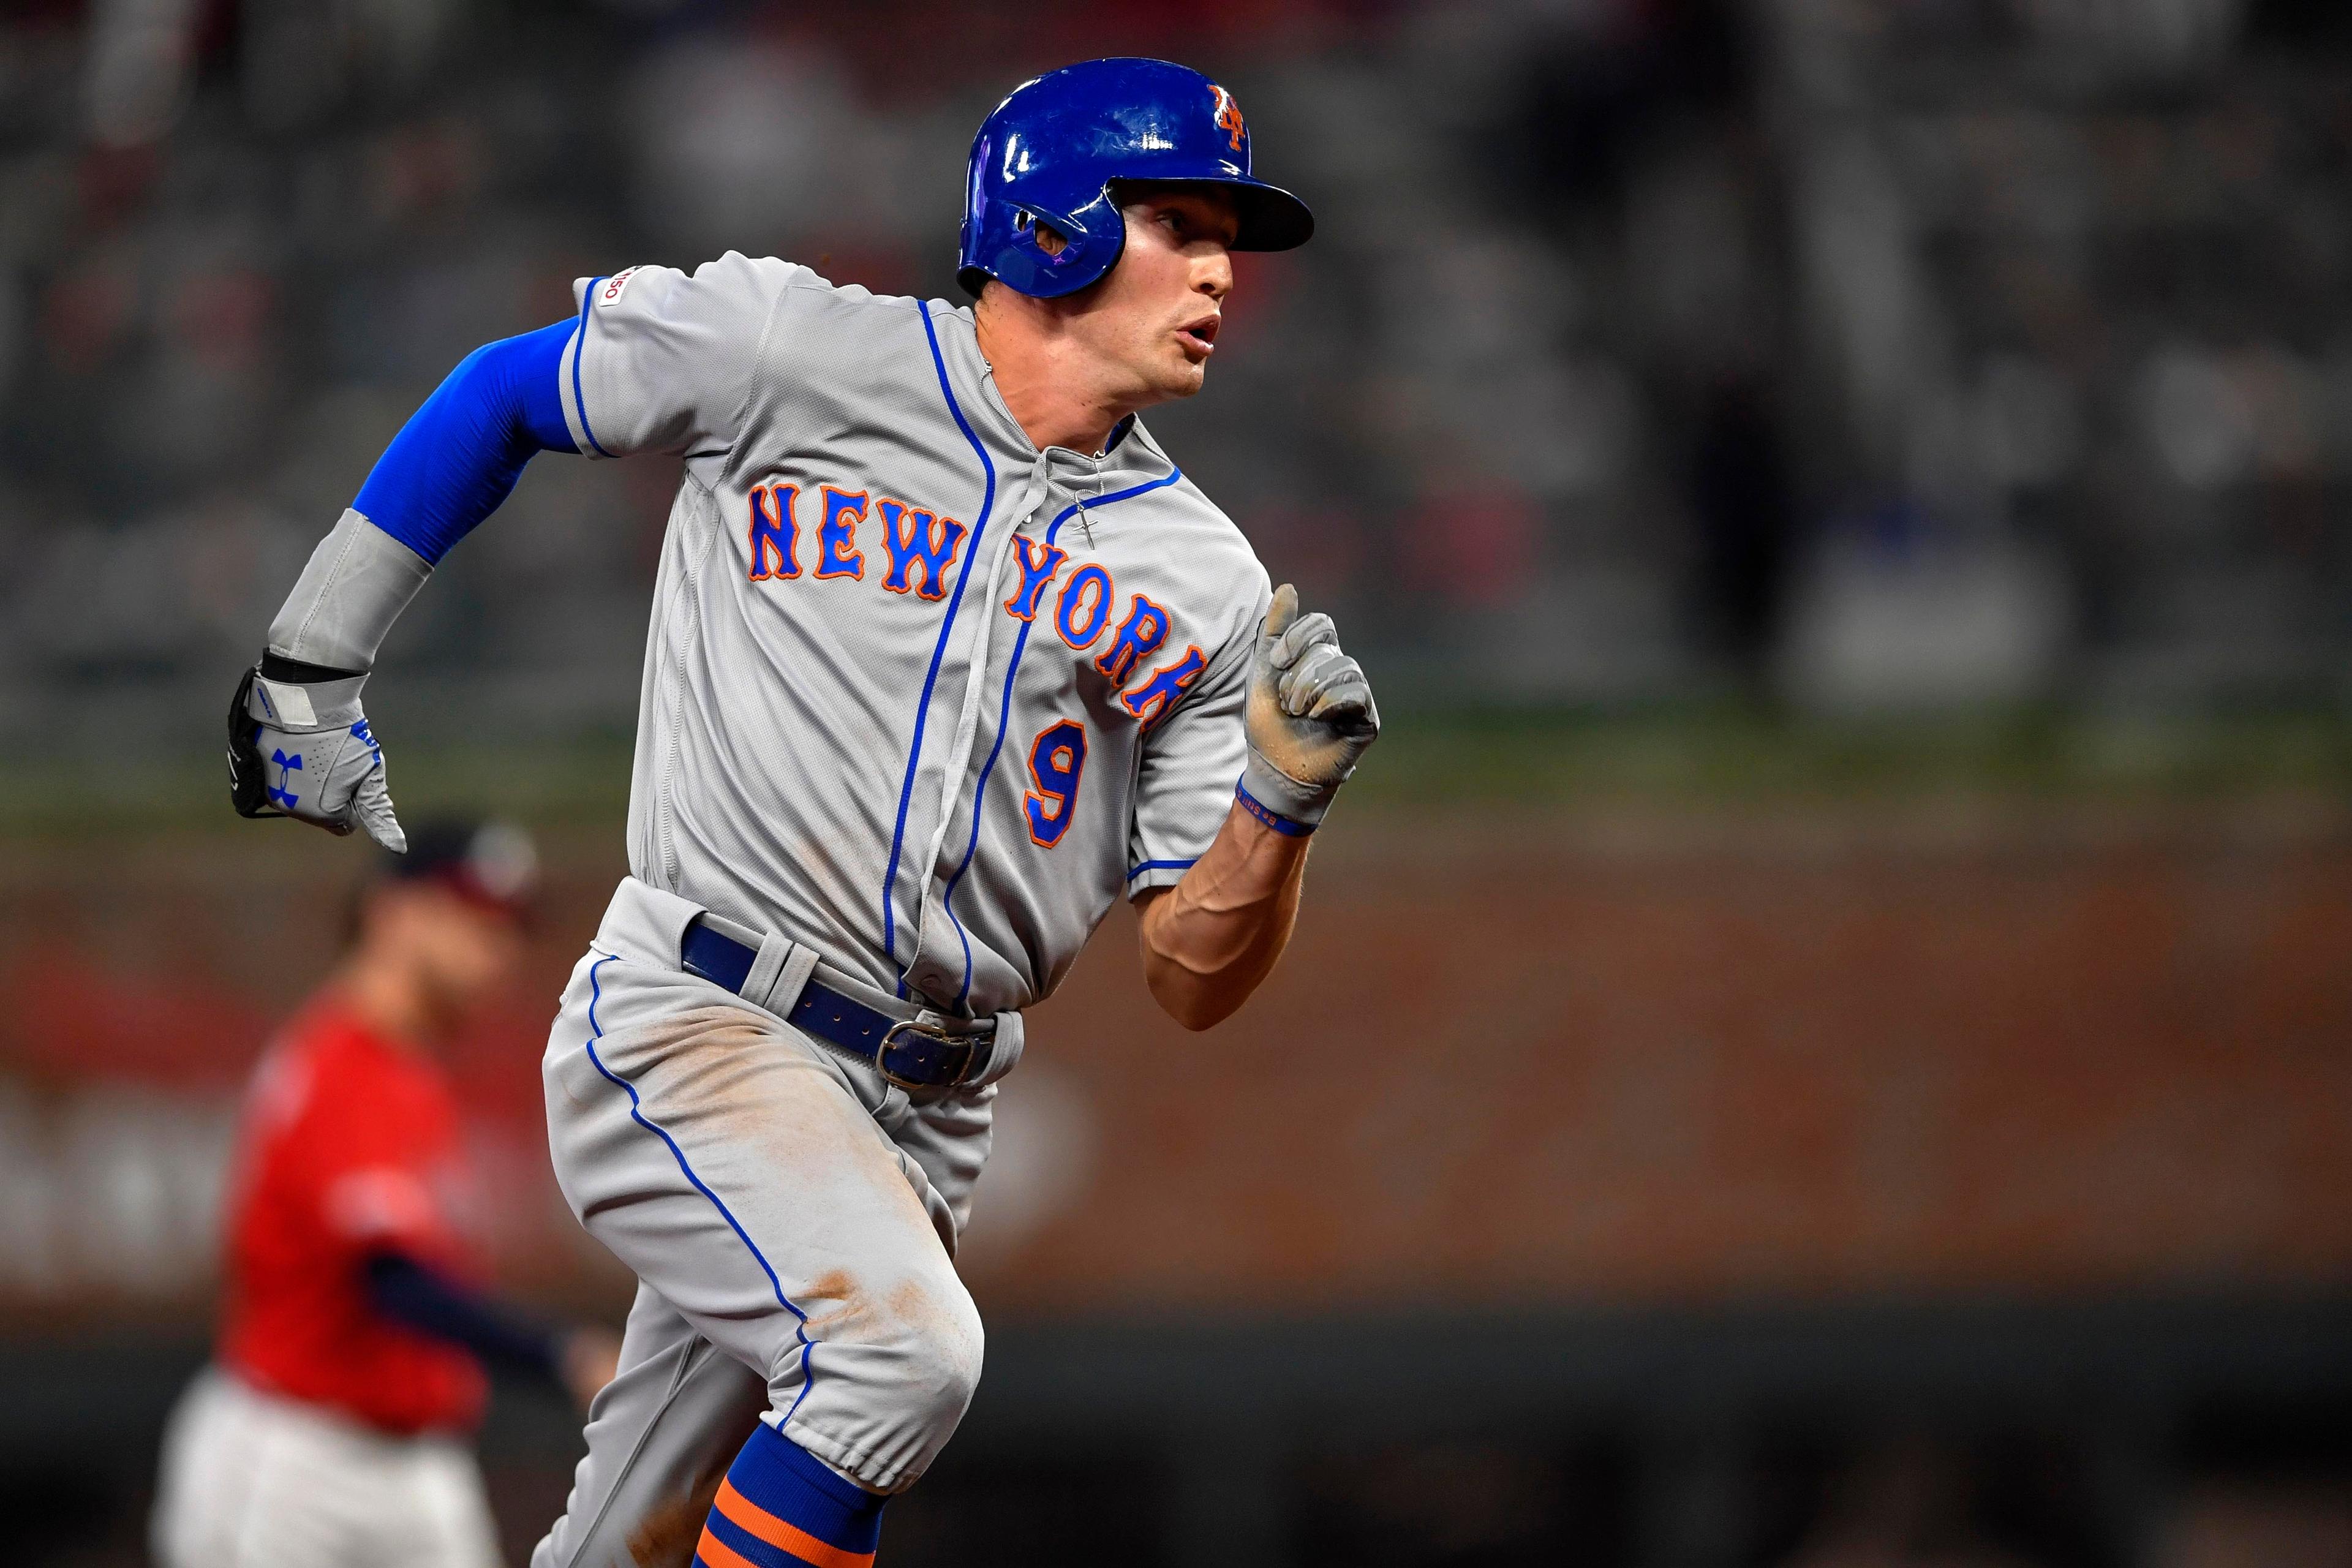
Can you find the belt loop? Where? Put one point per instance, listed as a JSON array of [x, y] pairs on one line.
[[1003, 1051], [779, 974]]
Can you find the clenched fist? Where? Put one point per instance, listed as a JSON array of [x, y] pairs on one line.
[[1310, 713], [301, 748]]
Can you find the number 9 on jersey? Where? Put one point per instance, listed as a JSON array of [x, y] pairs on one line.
[[1056, 759]]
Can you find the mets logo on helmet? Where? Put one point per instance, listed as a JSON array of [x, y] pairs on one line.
[[1229, 115]]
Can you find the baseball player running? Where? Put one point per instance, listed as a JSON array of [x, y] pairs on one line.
[[329, 1433], [945, 652]]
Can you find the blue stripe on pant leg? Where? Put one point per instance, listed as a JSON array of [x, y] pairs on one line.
[[637, 1114]]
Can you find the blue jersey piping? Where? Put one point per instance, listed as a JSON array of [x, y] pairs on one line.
[[1004, 710], [587, 298], [637, 1114], [947, 625]]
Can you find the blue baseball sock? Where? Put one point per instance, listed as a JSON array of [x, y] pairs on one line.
[[779, 1507]]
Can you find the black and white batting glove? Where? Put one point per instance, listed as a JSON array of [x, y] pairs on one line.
[[298, 746], [1310, 715]]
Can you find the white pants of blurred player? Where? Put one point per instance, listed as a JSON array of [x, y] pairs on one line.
[[253, 1480]]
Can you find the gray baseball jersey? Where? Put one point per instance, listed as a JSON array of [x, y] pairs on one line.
[[916, 693], [917, 696]]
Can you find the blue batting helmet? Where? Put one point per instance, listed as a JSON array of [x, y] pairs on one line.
[[1050, 153]]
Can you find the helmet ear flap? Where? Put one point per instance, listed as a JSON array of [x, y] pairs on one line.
[[1092, 241], [1092, 237], [1034, 231]]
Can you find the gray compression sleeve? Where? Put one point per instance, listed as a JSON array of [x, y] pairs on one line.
[[359, 580]]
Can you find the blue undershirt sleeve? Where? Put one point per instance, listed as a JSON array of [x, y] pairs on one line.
[[459, 454], [422, 1297]]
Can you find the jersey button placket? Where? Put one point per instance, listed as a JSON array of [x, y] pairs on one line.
[[938, 969]]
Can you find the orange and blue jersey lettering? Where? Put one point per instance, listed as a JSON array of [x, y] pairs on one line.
[[1139, 637], [1084, 607], [1038, 562], [837, 554], [926, 541], [1150, 703], [775, 532]]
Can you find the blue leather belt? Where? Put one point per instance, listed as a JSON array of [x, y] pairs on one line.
[[909, 1052]]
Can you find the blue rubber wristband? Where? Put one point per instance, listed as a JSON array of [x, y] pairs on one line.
[[1270, 816]]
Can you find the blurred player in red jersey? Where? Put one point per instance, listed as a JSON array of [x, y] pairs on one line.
[[331, 1427]]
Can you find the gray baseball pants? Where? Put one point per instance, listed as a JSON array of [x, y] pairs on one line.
[[790, 1218]]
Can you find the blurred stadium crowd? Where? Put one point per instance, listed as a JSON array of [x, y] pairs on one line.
[[1833, 1204], [1882, 352]]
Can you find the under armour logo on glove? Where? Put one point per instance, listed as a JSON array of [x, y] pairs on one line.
[[279, 793], [278, 728]]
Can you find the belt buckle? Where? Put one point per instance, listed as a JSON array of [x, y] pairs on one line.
[[929, 1032]]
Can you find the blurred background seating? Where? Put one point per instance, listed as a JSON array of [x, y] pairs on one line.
[[1820, 1040]]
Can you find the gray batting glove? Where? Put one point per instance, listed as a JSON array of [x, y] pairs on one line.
[[303, 749], [1310, 713]]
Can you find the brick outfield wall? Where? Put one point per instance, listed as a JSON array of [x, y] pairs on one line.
[[1507, 1061]]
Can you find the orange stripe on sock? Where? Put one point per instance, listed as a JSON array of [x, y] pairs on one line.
[[713, 1552], [749, 1517]]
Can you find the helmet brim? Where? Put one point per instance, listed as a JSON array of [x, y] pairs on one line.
[[1271, 218]]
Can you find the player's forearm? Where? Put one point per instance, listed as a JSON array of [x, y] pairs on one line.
[[451, 465], [298, 743], [1210, 939]]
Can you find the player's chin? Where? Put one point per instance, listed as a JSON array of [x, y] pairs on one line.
[[1182, 377]]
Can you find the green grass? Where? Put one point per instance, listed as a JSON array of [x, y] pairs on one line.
[[1692, 758], [582, 782], [1739, 756]]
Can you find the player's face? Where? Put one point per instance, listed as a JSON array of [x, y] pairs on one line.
[[1155, 318]]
